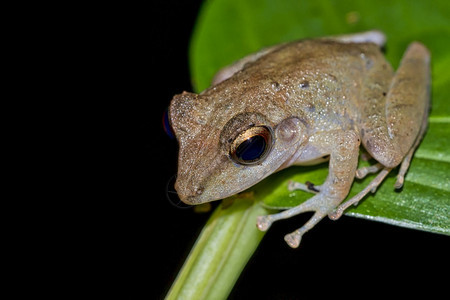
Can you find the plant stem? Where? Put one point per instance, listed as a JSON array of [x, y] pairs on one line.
[[222, 250]]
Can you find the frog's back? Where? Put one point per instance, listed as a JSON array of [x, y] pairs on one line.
[[322, 80]]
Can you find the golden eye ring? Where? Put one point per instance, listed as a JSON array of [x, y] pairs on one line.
[[252, 145]]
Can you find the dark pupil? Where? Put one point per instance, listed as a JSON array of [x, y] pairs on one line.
[[251, 149]]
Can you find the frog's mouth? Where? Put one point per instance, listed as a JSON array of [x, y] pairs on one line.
[[196, 182], [213, 191]]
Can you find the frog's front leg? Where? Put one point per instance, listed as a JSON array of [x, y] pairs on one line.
[[343, 148]]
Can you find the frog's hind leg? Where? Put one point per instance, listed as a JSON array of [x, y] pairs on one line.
[[408, 100], [393, 130], [393, 121], [373, 185], [407, 160]]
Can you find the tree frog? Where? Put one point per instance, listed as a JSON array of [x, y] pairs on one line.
[[303, 103]]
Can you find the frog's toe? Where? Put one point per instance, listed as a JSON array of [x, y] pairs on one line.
[[337, 213], [293, 239], [364, 171], [264, 222], [399, 183]]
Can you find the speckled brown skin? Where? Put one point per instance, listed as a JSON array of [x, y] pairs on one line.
[[320, 98]]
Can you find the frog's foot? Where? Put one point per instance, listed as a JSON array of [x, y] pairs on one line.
[[364, 171], [306, 187], [319, 204], [371, 187]]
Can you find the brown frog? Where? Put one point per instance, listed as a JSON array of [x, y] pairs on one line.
[[303, 103]]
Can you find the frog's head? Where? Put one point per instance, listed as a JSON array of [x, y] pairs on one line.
[[227, 147]]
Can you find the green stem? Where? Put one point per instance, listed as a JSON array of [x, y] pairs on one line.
[[222, 250]]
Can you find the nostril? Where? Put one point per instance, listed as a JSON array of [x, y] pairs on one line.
[[198, 190], [189, 194]]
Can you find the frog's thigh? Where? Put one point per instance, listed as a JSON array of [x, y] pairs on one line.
[[395, 128]]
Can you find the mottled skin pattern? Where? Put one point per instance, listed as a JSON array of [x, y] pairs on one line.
[[322, 99]]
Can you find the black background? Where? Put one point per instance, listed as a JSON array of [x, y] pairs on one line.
[[335, 258]]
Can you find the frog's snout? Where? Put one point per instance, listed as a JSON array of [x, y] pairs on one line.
[[189, 194]]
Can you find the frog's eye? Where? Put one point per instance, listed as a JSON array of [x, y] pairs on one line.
[[252, 145]]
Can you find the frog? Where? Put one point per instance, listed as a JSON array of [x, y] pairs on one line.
[[303, 103]]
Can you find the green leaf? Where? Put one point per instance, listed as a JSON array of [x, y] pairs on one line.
[[230, 29]]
